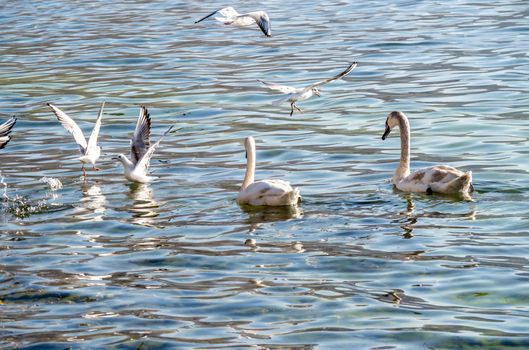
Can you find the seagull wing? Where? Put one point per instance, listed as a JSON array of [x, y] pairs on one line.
[[5, 130], [339, 76], [281, 88], [146, 158], [226, 12], [262, 20], [70, 126], [92, 141], [140, 141]]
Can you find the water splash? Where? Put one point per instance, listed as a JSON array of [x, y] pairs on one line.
[[4, 184], [53, 183], [21, 206]]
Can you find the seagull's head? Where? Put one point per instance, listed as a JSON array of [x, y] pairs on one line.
[[316, 92], [120, 158]]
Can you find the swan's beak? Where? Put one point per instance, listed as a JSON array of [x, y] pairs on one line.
[[114, 158], [386, 132]]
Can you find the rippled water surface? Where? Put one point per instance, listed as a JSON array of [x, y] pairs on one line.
[[103, 263]]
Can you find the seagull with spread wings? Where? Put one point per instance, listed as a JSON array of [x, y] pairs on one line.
[[299, 94], [141, 150], [231, 17], [5, 130], [90, 151]]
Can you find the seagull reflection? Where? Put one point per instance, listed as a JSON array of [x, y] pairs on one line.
[[258, 215], [93, 203], [144, 208], [411, 218]]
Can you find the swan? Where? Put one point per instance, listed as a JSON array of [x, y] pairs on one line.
[[265, 192], [438, 178], [90, 151], [299, 94], [141, 150], [234, 18], [5, 130]]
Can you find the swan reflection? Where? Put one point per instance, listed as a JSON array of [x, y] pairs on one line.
[[258, 215], [411, 218]]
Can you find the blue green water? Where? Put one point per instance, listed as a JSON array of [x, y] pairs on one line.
[[102, 263]]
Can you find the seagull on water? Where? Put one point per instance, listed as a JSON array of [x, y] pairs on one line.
[[141, 150], [5, 130], [90, 151], [299, 94], [231, 17]]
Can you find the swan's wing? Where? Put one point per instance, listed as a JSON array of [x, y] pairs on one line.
[[281, 88], [5, 130], [92, 141], [266, 188], [339, 76], [226, 12], [70, 126], [433, 174], [6, 127], [262, 20], [140, 141], [146, 158]]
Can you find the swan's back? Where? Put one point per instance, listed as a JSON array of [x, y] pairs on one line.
[[439, 178], [269, 192]]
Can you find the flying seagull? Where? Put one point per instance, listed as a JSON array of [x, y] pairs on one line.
[[231, 17], [141, 150], [5, 130], [90, 151], [299, 94]]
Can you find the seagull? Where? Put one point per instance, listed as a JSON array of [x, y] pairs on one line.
[[141, 150], [300, 94], [5, 130], [90, 151], [234, 18]]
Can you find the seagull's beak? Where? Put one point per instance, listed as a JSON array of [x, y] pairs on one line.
[[386, 132], [317, 93]]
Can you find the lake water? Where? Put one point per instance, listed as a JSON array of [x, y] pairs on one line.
[[103, 263]]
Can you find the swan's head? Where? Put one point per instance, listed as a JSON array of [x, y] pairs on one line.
[[316, 92], [249, 143], [249, 146], [392, 121]]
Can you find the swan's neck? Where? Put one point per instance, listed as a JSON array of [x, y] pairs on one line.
[[403, 169], [250, 167]]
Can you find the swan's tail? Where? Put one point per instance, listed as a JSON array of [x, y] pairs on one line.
[[460, 184], [294, 196]]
